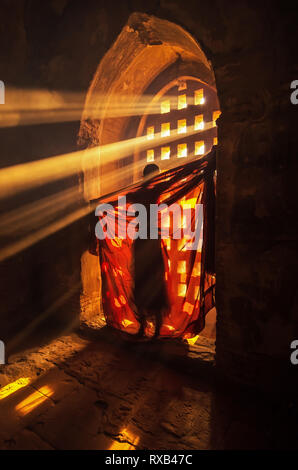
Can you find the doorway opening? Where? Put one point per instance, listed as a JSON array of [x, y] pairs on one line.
[[168, 84]]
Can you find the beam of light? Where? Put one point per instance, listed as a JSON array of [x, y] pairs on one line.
[[37, 219], [128, 441], [29, 217], [20, 337], [29, 175], [29, 107], [44, 232], [32, 215], [13, 387], [34, 400], [34, 174], [40, 106]]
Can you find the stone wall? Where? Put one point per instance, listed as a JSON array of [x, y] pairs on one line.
[[59, 44]]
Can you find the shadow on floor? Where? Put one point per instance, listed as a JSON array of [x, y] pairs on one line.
[[107, 393]]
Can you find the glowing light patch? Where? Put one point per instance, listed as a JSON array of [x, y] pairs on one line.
[[196, 269], [150, 155], [181, 150], [199, 122], [189, 203], [199, 148], [165, 153], [169, 327], [105, 267], [192, 340], [34, 400], [188, 308], [117, 242], [122, 299], [182, 244], [165, 106], [126, 322], [167, 242], [215, 141], [182, 103], [150, 133], [166, 221], [182, 290], [165, 129], [128, 441], [181, 267], [199, 96], [13, 387], [182, 85], [215, 115], [197, 292], [181, 126], [117, 303]]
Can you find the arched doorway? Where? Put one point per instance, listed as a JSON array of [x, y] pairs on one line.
[[165, 64]]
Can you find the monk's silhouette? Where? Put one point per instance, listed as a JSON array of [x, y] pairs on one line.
[[150, 290]]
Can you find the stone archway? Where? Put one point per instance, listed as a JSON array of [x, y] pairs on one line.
[[146, 48]]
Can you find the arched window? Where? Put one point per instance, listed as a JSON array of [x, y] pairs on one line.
[[179, 124]]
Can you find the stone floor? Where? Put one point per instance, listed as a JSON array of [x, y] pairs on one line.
[[98, 391]]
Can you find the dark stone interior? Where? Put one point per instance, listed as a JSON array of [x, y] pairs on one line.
[[57, 45]]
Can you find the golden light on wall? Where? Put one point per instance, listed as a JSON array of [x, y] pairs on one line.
[[165, 106], [182, 85], [150, 155], [13, 387], [165, 129], [215, 141], [181, 150], [181, 126], [199, 148], [165, 153], [182, 103], [150, 132], [215, 115], [199, 122], [199, 96]]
